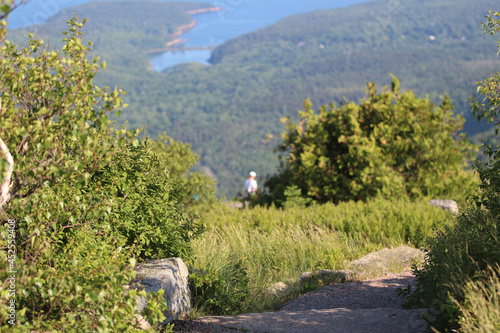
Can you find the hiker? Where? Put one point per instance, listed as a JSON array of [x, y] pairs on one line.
[[250, 185]]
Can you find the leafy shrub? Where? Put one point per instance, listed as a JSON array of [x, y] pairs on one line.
[[461, 254], [221, 290], [77, 288], [78, 189], [144, 207], [391, 144], [294, 198], [458, 253]]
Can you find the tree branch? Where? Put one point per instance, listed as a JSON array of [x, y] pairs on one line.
[[6, 185]]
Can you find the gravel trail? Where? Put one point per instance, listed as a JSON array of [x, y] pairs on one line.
[[361, 306], [370, 294]]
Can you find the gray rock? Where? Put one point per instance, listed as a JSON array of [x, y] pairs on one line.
[[341, 275], [386, 260], [236, 204], [170, 275], [277, 290], [306, 276], [448, 205]]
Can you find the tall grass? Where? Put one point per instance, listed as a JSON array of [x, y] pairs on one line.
[[481, 310], [380, 221], [275, 245]]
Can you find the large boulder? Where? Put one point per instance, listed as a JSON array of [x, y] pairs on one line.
[[170, 275], [385, 261], [373, 264]]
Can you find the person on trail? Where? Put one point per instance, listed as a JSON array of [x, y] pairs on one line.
[[250, 185]]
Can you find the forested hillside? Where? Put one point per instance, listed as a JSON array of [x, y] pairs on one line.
[[121, 33], [227, 110]]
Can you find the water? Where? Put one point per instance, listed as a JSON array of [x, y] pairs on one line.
[[38, 11], [238, 17]]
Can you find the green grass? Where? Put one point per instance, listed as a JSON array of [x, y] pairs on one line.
[[481, 311], [274, 245]]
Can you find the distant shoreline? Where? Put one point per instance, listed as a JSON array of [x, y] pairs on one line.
[[205, 10], [184, 29]]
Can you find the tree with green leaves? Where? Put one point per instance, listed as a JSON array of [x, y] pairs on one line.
[[489, 107], [392, 143], [6, 7], [81, 200]]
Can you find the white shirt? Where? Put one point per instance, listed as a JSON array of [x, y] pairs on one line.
[[251, 185]]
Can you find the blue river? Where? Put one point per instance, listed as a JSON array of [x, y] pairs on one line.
[[238, 17]]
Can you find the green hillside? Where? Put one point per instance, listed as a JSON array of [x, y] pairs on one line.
[[226, 110], [121, 33]]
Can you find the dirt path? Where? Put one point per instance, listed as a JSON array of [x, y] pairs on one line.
[[362, 306]]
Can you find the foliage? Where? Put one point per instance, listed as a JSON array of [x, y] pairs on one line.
[[81, 196], [6, 7], [40, 86], [154, 310], [220, 290], [391, 144], [294, 198], [490, 105], [489, 108], [462, 254], [144, 209], [225, 110], [462, 251], [196, 190]]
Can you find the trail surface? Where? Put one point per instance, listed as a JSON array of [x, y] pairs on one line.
[[361, 306]]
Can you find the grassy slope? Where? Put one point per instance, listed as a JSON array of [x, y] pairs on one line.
[[227, 109], [274, 245]]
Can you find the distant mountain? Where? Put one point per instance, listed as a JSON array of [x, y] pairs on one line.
[[227, 110]]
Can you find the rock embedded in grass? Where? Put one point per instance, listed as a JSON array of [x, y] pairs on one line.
[[277, 290], [386, 260], [448, 205], [170, 275], [341, 275]]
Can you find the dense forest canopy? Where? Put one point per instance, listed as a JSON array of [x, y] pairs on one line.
[[229, 111]]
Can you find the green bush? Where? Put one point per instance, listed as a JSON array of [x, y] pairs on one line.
[[196, 190], [391, 144], [294, 198], [144, 208], [85, 196], [460, 252]]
